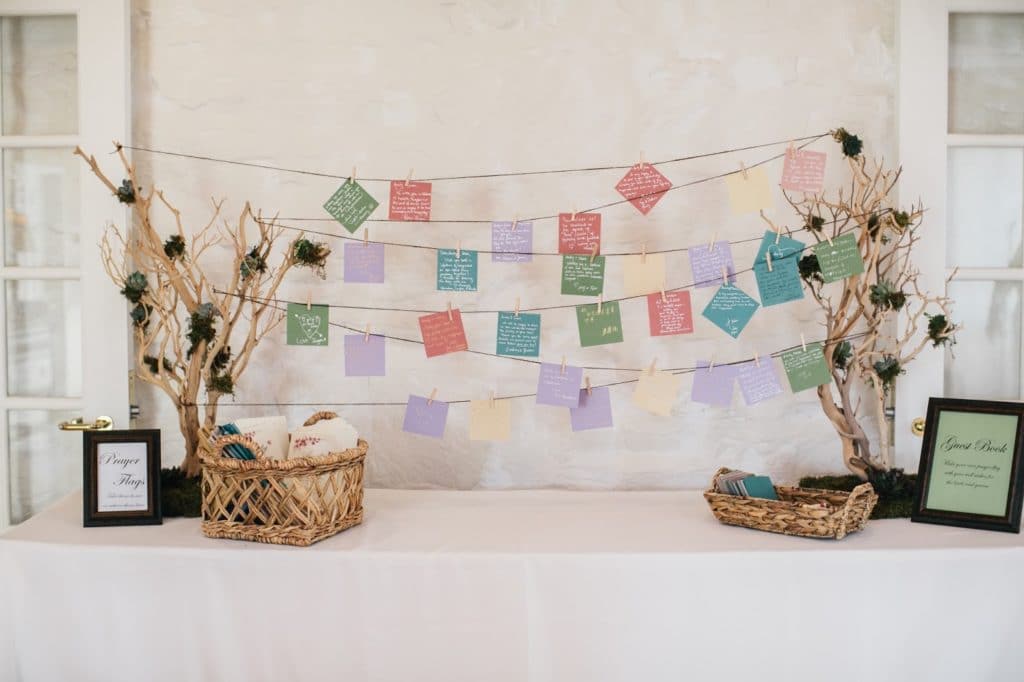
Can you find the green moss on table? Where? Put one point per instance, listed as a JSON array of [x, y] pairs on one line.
[[179, 494], [895, 504]]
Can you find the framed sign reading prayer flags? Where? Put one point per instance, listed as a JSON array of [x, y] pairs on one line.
[[970, 473], [121, 478]]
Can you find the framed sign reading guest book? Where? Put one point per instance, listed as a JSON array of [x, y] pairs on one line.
[[121, 478], [970, 473]]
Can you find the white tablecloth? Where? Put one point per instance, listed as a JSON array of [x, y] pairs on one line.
[[492, 586]]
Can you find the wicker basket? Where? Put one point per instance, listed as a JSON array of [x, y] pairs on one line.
[[284, 502], [798, 511]]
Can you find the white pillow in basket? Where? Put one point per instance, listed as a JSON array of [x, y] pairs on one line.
[[322, 438], [270, 433]]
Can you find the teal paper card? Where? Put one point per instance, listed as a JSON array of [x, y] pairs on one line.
[[781, 284], [781, 248], [730, 309], [456, 271], [519, 335]]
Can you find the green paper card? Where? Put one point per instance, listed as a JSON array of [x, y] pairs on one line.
[[456, 271], [806, 368], [308, 327], [580, 277], [730, 309], [519, 335], [781, 284], [840, 259], [598, 328], [351, 205]]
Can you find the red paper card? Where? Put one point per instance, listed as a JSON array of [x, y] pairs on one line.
[[670, 316], [442, 335], [580, 234], [644, 186], [803, 171], [409, 201]]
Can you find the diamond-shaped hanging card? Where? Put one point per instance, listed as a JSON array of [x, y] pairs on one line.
[[730, 309], [643, 186]]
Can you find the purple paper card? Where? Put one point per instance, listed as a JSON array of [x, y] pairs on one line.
[[706, 263], [364, 263], [555, 387], [714, 387], [519, 241], [423, 418], [594, 410], [758, 383], [364, 357]]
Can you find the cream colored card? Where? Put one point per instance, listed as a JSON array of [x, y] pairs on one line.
[[750, 193], [644, 275], [657, 392], [490, 421]]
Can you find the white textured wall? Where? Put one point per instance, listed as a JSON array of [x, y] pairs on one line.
[[476, 85]]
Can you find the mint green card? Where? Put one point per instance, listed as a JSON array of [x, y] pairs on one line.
[[456, 271], [972, 462], [806, 368], [730, 309], [840, 259], [598, 328], [307, 327], [351, 205], [519, 335], [580, 277]]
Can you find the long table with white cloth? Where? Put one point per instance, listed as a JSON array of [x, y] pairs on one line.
[[489, 586]]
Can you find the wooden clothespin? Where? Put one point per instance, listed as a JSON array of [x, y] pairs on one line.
[[664, 298], [352, 178], [366, 337], [600, 300], [515, 222], [642, 162], [743, 169], [713, 244], [593, 254], [408, 178], [492, 400], [458, 250], [366, 236], [643, 252], [757, 360], [309, 300], [828, 239], [778, 234], [517, 307], [586, 382], [450, 318], [768, 259], [650, 369], [433, 394], [573, 212], [803, 343], [711, 363], [725, 276], [562, 372]]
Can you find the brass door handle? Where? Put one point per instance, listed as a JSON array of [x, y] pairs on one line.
[[79, 424], [917, 426]]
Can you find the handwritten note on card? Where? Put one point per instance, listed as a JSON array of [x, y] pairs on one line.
[[442, 335], [518, 336], [558, 386], [456, 271], [580, 234], [758, 380], [598, 328], [707, 261], [750, 191], [730, 309], [594, 410], [806, 368], [351, 205], [511, 245], [644, 274], [364, 263], [425, 417], [364, 356], [657, 392], [781, 284], [490, 420], [409, 201], [582, 276], [644, 186], [671, 314], [122, 477], [840, 259], [803, 171], [307, 326], [713, 386]]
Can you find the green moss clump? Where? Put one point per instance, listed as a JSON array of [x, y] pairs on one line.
[[253, 264], [311, 255], [901, 219], [174, 247], [842, 354], [140, 315], [940, 330], [135, 286], [126, 192], [815, 223], [179, 494], [852, 145], [220, 383], [887, 369], [201, 327], [886, 297], [151, 362], [895, 504], [810, 269]]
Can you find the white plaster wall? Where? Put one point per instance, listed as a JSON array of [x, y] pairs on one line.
[[477, 85]]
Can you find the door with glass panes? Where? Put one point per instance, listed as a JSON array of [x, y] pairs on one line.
[[961, 101], [64, 340]]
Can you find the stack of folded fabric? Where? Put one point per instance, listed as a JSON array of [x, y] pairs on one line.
[[271, 434]]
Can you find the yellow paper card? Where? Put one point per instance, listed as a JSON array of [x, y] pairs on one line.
[[657, 392], [647, 277], [751, 193], [489, 421]]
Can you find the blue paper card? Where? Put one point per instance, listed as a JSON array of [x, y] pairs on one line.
[[781, 248], [456, 271], [519, 335], [730, 309], [781, 284]]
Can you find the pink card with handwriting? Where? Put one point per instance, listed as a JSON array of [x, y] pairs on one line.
[[644, 186], [409, 200], [671, 314], [803, 171], [580, 234], [442, 335]]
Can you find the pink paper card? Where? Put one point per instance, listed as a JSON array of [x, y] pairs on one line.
[[442, 335], [409, 200], [644, 186], [803, 171], [579, 235], [673, 315]]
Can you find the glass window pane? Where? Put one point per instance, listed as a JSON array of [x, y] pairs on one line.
[[986, 59], [46, 463], [44, 338], [986, 203], [39, 75], [985, 363], [40, 208]]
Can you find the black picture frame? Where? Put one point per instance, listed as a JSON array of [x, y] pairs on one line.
[[1008, 521], [113, 472]]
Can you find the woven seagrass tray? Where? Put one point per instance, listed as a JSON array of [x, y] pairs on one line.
[[798, 511], [284, 502]]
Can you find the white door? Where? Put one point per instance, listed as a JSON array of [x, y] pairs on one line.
[[63, 328], [961, 102]]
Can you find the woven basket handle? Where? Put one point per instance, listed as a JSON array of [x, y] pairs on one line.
[[714, 479], [859, 491], [320, 416], [237, 439]]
